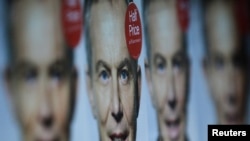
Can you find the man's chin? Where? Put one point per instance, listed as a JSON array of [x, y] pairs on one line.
[[232, 120], [46, 137], [54, 138], [230, 117]]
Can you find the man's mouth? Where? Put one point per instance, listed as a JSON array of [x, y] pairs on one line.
[[173, 128], [47, 138], [232, 118], [118, 136], [40, 139]]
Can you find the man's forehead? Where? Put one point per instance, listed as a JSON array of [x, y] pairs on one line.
[[221, 28], [165, 35], [37, 31], [106, 7], [107, 33], [35, 18], [104, 13], [163, 15], [104, 25]]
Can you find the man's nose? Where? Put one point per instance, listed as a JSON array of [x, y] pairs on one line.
[[231, 87], [171, 93], [232, 99], [117, 111], [117, 116], [45, 112], [231, 93], [46, 116]]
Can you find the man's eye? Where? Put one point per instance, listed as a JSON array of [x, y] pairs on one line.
[[219, 63], [104, 76], [161, 66], [179, 63], [124, 76], [30, 75], [56, 74]]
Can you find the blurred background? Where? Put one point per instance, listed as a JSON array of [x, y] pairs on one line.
[[201, 109]]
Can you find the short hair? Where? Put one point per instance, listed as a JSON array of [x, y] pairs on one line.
[[9, 33], [145, 6]]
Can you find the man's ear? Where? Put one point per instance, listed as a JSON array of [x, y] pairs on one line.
[[75, 79], [7, 78], [73, 91], [91, 93], [205, 66], [138, 73], [149, 81]]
